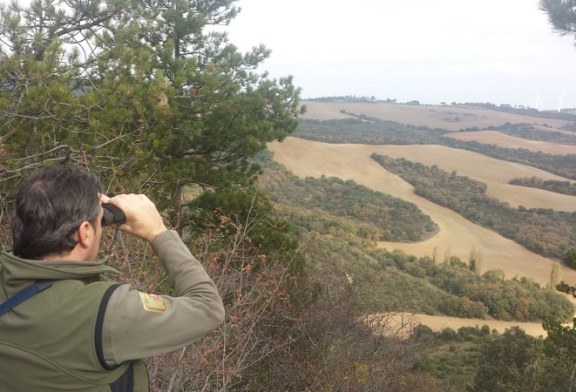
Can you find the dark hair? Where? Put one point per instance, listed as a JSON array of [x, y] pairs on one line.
[[50, 206]]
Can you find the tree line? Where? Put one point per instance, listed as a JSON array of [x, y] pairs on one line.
[[563, 187], [369, 130], [375, 216], [476, 359], [529, 132], [476, 294], [400, 282], [152, 97], [547, 232]]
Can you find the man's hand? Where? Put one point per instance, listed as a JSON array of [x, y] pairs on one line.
[[142, 217]]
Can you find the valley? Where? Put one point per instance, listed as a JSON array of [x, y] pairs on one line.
[[456, 236]]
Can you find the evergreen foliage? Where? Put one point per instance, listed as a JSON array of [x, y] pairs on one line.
[[375, 216], [152, 98], [544, 231], [394, 281], [529, 132], [515, 361], [147, 95], [561, 15], [563, 187], [507, 363], [368, 130], [474, 296], [570, 258]]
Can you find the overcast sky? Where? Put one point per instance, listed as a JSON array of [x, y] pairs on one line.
[[433, 51]]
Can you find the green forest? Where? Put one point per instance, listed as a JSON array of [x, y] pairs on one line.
[[393, 281], [544, 231], [377, 217], [448, 286], [368, 130], [563, 187]]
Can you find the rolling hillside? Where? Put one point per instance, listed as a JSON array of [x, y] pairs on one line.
[[450, 118], [456, 236]]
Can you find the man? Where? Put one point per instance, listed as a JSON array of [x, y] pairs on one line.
[[79, 332]]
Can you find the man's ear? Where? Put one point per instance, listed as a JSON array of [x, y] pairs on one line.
[[85, 234]]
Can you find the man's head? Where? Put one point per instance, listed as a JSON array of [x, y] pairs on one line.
[[56, 208]]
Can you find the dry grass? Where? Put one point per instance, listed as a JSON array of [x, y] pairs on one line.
[[438, 323], [456, 236], [507, 141], [494, 173], [452, 118]]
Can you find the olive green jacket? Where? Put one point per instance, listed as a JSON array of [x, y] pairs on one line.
[[86, 334]]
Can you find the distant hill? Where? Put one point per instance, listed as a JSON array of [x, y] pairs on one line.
[[350, 132], [448, 117], [463, 281]]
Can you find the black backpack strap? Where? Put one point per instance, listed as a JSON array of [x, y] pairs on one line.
[[125, 383], [23, 295], [98, 338]]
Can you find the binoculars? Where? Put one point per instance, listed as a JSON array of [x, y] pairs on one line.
[[112, 215]]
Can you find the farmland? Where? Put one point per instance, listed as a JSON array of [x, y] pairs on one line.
[[450, 118], [456, 235]]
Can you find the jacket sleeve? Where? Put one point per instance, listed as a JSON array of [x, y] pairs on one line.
[[138, 325]]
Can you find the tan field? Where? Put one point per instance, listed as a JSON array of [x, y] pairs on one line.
[[493, 172], [503, 140], [456, 236], [452, 118], [438, 323]]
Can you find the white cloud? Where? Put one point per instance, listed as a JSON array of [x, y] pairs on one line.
[[444, 50]]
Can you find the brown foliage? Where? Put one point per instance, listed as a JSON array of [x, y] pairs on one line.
[[282, 331]]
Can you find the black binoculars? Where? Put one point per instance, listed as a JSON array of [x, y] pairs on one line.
[[112, 215]]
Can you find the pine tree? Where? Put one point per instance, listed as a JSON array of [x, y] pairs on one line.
[[149, 95], [561, 15]]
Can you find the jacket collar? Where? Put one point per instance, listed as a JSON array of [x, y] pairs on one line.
[[14, 270]]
